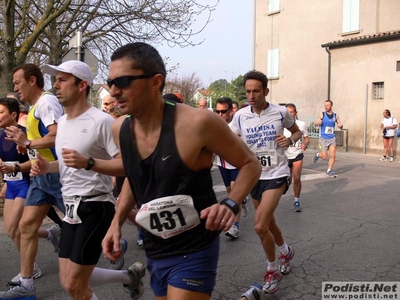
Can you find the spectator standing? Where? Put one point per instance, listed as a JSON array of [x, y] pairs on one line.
[[388, 126], [235, 107], [108, 103], [202, 103]]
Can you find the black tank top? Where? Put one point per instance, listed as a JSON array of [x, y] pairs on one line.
[[163, 174]]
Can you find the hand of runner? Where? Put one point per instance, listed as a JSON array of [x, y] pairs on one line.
[[15, 134], [74, 159], [111, 243], [282, 141], [40, 166], [219, 217]]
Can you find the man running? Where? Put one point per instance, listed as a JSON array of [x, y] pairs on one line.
[[44, 190], [167, 151], [327, 141], [261, 127], [86, 152], [295, 155], [228, 172]]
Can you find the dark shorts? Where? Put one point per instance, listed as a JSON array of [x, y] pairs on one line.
[[81, 243], [17, 189], [45, 189], [297, 158], [194, 271], [271, 184], [228, 175], [388, 137]]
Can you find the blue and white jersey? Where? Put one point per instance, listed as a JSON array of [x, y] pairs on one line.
[[328, 126], [259, 133]]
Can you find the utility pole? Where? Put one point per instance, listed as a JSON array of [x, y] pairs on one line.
[[79, 45], [225, 80]]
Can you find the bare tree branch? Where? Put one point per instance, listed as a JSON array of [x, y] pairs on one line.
[[40, 29]]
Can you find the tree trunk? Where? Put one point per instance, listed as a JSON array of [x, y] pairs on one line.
[[7, 66]]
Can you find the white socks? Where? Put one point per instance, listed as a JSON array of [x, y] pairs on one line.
[[26, 282], [103, 276], [283, 249], [271, 265]]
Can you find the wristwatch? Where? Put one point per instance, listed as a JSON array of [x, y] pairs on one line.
[[17, 168], [28, 144], [233, 206], [90, 163], [291, 141]]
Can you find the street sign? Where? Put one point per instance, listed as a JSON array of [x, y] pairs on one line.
[[74, 41], [87, 56]]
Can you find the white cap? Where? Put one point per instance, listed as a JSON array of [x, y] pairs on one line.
[[75, 67]]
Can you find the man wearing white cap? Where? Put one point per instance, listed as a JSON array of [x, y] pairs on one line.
[[87, 158]]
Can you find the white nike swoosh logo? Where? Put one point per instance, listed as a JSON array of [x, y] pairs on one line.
[[165, 158]]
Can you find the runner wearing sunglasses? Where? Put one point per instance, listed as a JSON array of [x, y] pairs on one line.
[[167, 151]]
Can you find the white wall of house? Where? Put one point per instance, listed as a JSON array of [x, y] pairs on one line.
[[299, 28], [354, 70]]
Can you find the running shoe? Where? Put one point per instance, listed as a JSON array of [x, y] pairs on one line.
[[245, 210], [391, 159], [233, 232], [139, 238], [285, 259], [383, 158], [297, 207], [119, 262], [272, 281], [315, 157], [18, 292], [36, 274], [136, 288], [53, 236], [255, 292], [331, 174]]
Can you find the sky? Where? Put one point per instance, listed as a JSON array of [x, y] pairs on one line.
[[226, 51]]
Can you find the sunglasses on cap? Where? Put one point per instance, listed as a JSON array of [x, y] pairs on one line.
[[125, 81], [222, 111]]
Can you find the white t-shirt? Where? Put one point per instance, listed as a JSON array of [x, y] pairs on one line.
[[259, 133], [389, 122], [89, 134], [293, 150]]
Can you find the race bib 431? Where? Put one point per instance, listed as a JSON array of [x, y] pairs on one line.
[[168, 216]]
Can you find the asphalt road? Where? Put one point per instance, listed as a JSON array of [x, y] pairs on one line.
[[348, 231]]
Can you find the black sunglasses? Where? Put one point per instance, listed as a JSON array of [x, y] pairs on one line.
[[223, 111], [125, 81]]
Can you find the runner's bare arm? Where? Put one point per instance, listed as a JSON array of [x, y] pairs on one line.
[[319, 120], [340, 125], [16, 134], [126, 202], [222, 141]]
